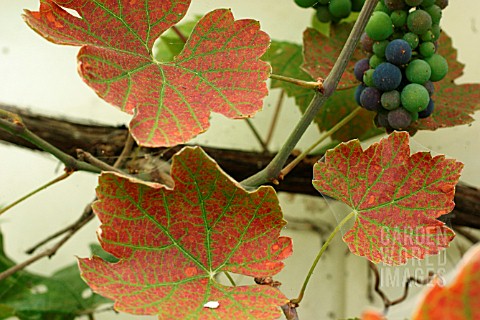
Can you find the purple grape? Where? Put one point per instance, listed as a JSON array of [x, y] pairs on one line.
[[428, 111], [399, 119], [387, 77], [360, 67], [430, 87], [367, 43], [358, 92], [370, 99], [398, 52]]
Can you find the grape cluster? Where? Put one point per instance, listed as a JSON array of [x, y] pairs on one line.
[[397, 77], [332, 10]]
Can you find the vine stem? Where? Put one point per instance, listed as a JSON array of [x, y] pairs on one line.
[[324, 136], [317, 85], [319, 255], [65, 175], [272, 170], [17, 128]]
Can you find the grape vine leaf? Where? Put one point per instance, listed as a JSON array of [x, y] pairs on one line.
[[454, 104], [286, 59], [27, 296], [459, 300], [396, 197], [321, 52], [172, 242], [371, 314], [219, 69]]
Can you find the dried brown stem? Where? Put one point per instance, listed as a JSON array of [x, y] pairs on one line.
[[107, 142], [386, 301], [87, 216]]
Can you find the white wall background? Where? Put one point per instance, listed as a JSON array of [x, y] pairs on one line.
[[39, 75]]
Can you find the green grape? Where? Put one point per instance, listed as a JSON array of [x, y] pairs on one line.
[[428, 3], [418, 71], [305, 3], [419, 21], [436, 30], [323, 14], [380, 26], [428, 36], [412, 39], [357, 5], [379, 48], [324, 2], [375, 61], [399, 18], [427, 49], [435, 13], [414, 97], [340, 8], [390, 100], [439, 67], [414, 116], [368, 78], [382, 8]]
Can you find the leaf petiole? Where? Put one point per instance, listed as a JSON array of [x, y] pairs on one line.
[[316, 85], [65, 175], [286, 170], [319, 255]]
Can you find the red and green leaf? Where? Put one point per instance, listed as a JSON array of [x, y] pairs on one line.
[[458, 301], [173, 242], [218, 69], [454, 103], [321, 52], [396, 197]]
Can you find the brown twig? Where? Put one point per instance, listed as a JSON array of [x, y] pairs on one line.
[[87, 157], [278, 107], [386, 301], [87, 216], [179, 34], [257, 135], [127, 149]]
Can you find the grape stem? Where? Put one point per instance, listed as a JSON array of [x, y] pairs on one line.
[[324, 136], [297, 301], [316, 85], [272, 170], [65, 175]]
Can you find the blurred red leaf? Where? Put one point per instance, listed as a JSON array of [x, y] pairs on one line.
[[217, 71], [454, 103], [396, 197], [173, 242], [372, 315], [458, 301], [321, 52]]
